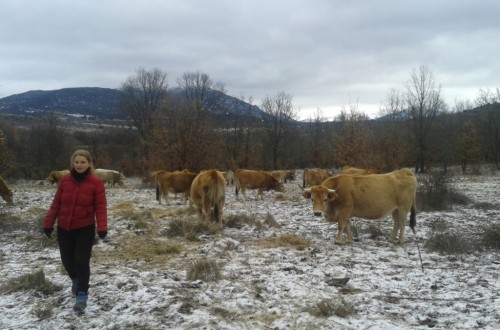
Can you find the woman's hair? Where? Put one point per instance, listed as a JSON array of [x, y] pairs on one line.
[[83, 153]]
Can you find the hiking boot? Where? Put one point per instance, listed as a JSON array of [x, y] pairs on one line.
[[74, 286], [81, 302]]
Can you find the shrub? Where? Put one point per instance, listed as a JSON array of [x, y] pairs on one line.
[[338, 307], [449, 243], [204, 269], [435, 192], [490, 236], [34, 281], [190, 228]]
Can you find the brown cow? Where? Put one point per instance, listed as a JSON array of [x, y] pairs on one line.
[[374, 196], [208, 191], [5, 191], [261, 180], [314, 176], [358, 171], [174, 182], [55, 176]]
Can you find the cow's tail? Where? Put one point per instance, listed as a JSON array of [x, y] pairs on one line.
[[236, 185], [413, 217], [215, 193], [157, 184]]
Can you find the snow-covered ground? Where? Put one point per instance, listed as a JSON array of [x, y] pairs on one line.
[[263, 284]]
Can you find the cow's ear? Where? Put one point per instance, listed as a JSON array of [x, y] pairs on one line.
[[332, 194], [306, 194]]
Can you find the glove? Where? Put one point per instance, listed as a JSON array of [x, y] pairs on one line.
[[48, 231], [102, 234]]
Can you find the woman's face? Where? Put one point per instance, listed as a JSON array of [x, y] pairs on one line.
[[80, 164]]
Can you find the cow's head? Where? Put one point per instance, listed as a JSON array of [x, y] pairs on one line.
[[318, 196], [330, 209]]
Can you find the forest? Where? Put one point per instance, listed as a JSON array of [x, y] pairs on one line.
[[416, 129]]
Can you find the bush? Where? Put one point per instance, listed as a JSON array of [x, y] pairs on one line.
[[490, 236], [449, 243], [204, 269], [435, 193], [338, 307], [34, 281]]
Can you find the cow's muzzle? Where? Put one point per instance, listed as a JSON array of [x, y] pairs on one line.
[[318, 214]]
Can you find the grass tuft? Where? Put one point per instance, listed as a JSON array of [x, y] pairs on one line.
[[205, 270], [33, 281], [449, 243]]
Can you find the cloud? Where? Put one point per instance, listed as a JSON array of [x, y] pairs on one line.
[[324, 53]]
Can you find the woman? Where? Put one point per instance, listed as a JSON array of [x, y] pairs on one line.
[[79, 202]]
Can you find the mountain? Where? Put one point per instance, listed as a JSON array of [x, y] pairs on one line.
[[103, 103], [87, 101]]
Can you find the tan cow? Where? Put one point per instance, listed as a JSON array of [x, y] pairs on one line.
[[229, 177], [55, 176], [358, 171], [208, 192], [374, 196], [5, 191], [174, 182], [314, 176], [260, 180], [110, 177], [283, 175]]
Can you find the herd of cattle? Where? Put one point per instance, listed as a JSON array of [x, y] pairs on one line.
[[353, 192]]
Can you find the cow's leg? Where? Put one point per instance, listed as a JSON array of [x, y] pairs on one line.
[[342, 224], [402, 226], [395, 227], [348, 232], [260, 193]]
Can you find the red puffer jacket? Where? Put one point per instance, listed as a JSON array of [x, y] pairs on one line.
[[78, 204]]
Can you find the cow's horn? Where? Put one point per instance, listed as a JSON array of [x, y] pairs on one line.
[[331, 190], [300, 186]]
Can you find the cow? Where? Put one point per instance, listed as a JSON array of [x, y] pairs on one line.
[[5, 191], [110, 177], [314, 176], [55, 176], [373, 196], [228, 177], [208, 192], [260, 180], [174, 182], [283, 175], [358, 171]]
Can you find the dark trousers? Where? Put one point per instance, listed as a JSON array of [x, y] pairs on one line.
[[76, 248]]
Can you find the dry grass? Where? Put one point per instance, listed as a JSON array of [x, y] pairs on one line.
[[335, 307], [449, 243], [205, 270], [287, 241], [190, 228], [490, 236], [33, 281]]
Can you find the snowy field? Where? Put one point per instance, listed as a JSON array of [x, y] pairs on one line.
[[267, 280]]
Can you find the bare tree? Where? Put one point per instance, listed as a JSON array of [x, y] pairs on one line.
[[424, 102], [318, 139], [280, 117], [489, 126], [144, 95], [352, 139], [391, 140], [201, 92], [469, 148]]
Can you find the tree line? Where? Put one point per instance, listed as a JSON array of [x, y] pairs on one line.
[[174, 131]]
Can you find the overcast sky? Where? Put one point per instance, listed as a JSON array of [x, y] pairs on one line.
[[327, 54]]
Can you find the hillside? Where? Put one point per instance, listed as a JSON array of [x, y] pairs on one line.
[[103, 103]]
